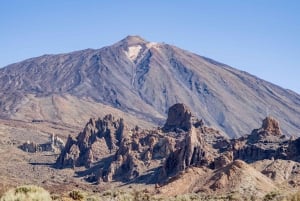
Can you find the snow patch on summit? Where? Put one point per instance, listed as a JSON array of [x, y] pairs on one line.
[[133, 52], [152, 44]]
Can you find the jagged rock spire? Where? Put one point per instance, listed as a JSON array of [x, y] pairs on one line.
[[271, 126], [179, 117]]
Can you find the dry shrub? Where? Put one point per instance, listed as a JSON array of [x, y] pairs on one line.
[[295, 197], [26, 193], [76, 195]]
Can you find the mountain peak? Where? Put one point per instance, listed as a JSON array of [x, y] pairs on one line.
[[133, 40]]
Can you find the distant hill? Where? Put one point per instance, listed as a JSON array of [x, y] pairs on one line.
[[142, 79]]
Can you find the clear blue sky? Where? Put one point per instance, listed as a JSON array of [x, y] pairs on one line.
[[261, 37]]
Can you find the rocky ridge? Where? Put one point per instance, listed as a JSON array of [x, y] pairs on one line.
[[135, 151]]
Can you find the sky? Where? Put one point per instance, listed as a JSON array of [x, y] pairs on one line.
[[260, 37]]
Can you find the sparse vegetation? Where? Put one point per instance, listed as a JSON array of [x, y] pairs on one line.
[[27, 193], [76, 195], [294, 197], [35, 193], [272, 196]]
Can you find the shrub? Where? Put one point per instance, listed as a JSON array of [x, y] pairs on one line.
[[76, 195], [26, 193], [92, 199], [141, 196], [56, 197], [295, 197], [270, 196]]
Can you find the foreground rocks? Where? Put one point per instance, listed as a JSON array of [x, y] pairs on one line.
[[113, 152]]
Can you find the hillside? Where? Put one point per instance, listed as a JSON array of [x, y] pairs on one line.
[[143, 79]]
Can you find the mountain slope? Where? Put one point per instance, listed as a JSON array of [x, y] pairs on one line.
[[144, 79]]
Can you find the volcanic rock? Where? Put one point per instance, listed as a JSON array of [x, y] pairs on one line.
[[293, 150], [55, 144], [269, 130], [223, 160], [264, 143], [136, 154], [271, 126], [184, 146], [240, 177], [179, 117], [190, 152], [98, 139]]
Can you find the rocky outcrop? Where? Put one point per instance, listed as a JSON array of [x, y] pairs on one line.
[[270, 126], [136, 154], [191, 151], [266, 142], [55, 144], [98, 139], [119, 153], [179, 117], [223, 160], [30, 147], [183, 142], [293, 150], [269, 131], [112, 152]]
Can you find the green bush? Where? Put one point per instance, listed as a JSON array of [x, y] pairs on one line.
[[26, 193]]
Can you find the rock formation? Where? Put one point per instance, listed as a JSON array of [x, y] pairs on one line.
[[183, 142], [137, 153], [270, 126], [179, 117], [264, 143], [55, 144], [223, 160], [98, 139], [191, 151], [269, 131], [183, 146]]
